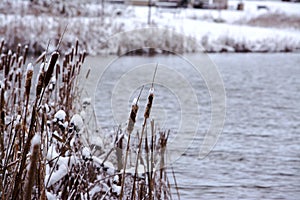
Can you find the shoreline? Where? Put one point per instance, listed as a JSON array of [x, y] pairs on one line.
[[212, 30]]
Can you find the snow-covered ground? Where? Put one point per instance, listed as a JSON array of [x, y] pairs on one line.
[[216, 31], [227, 30]]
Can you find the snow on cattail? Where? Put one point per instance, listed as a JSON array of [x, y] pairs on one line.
[[36, 140], [151, 96], [60, 115], [77, 121], [25, 54], [35, 144], [52, 83], [86, 101]]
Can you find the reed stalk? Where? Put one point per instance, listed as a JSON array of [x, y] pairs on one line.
[[32, 171], [27, 111], [146, 116], [130, 127]]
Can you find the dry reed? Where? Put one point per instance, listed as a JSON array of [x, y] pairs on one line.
[[59, 165]]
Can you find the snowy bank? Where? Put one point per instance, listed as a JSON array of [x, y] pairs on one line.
[[250, 30]]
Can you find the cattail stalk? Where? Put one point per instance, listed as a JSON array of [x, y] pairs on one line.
[[146, 116], [41, 58], [32, 171], [131, 122], [1, 46], [2, 122]]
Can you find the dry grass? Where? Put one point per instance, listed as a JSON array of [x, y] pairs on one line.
[[42, 142], [274, 20]]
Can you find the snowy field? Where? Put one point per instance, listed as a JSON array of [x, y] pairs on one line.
[[251, 30], [227, 30]]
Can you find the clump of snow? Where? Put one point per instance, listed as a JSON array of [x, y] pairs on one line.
[[77, 121], [29, 67], [51, 196], [116, 179], [151, 90], [94, 190], [86, 153], [52, 83], [63, 163], [116, 189], [86, 101], [52, 152], [108, 166], [47, 108], [134, 102], [60, 115], [1, 84], [36, 140]]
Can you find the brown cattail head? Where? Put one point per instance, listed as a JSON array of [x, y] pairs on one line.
[[132, 117], [20, 61], [1, 45], [83, 56], [7, 64], [31, 174], [29, 74], [149, 104], [88, 73], [72, 54], [40, 82], [76, 48], [25, 54], [2, 99], [18, 50], [51, 66]]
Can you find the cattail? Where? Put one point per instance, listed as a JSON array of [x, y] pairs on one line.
[[25, 54], [20, 61], [83, 56], [88, 73], [2, 125], [14, 57], [40, 81], [150, 97], [72, 54], [18, 50], [1, 45], [149, 104], [57, 72], [2, 111], [76, 48], [6, 64], [50, 68], [132, 117], [33, 165], [29, 74]]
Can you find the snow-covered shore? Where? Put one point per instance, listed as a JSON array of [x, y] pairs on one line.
[[216, 31]]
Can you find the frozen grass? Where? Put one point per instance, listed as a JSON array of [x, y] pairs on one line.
[[46, 134], [183, 31], [274, 20]]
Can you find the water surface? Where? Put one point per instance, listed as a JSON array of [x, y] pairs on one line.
[[258, 154]]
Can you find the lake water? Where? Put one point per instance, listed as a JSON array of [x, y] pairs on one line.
[[258, 154]]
